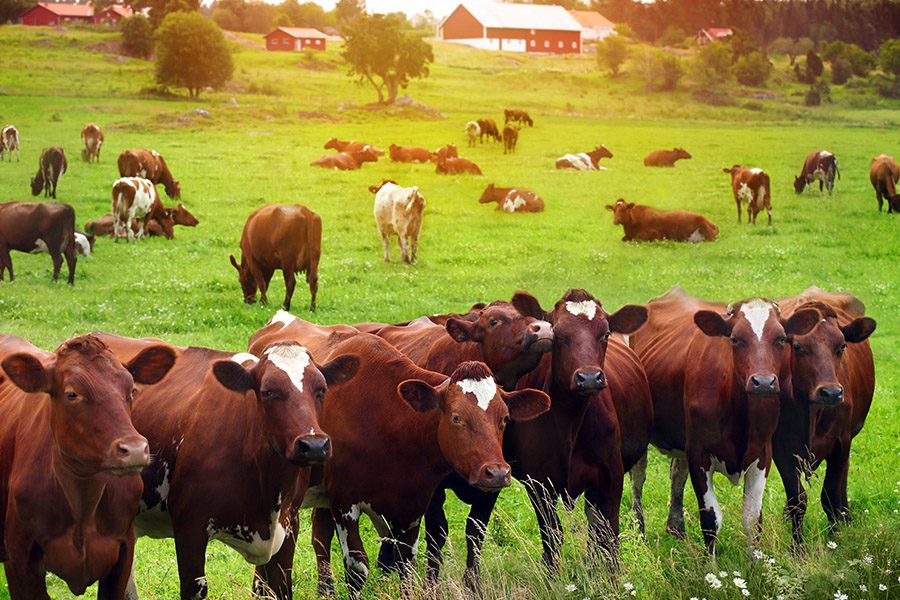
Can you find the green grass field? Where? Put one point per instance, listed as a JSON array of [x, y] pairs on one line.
[[258, 152]]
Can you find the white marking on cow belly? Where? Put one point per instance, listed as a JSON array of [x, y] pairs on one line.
[[484, 390], [756, 312], [709, 500], [696, 237], [588, 308], [291, 359], [242, 357], [40, 246], [511, 205], [283, 317], [754, 488], [84, 246], [250, 544]]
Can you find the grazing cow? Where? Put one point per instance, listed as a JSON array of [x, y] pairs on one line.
[[179, 215], [237, 476], [751, 186], [398, 211], [410, 154], [280, 237], [646, 224], [31, 226], [396, 434], [833, 375], [149, 164], [346, 161], [134, 198], [517, 115], [716, 376], [351, 146], [510, 139], [821, 165], [512, 199], [488, 128], [447, 164], [51, 166], [70, 463], [884, 174], [584, 161], [9, 141], [473, 131], [665, 158], [92, 138]]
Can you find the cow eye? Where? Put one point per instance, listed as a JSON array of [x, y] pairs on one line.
[[456, 419], [841, 348], [607, 335], [735, 340], [71, 396], [320, 394], [493, 322], [797, 348], [780, 341], [268, 395]]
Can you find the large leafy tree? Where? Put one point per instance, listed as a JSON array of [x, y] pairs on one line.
[[382, 52], [191, 52], [11, 10]]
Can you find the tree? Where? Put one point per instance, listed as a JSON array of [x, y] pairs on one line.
[[814, 65], [792, 48], [660, 70], [160, 8], [191, 52], [753, 69], [889, 58], [672, 36], [379, 51], [137, 35], [713, 64], [612, 52], [11, 10], [840, 71], [347, 11]]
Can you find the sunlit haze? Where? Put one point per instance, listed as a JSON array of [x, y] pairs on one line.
[[440, 8]]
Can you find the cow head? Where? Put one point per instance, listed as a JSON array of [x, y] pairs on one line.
[[599, 152], [37, 184], [375, 188], [290, 389], [444, 152], [173, 189], [759, 338], [90, 402], [799, 183], [180, 215], [246, 278], [513, 336], [621, 211], [474, 413], [528, 120], [816, 356], [367, 154], [332, 143], [733, 170], [682, 153], [489, 194]]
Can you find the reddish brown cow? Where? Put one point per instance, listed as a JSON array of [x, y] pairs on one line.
[[666, 158], [149, 164], [488, 128], [92, 138], [70, 461], [179, 215], [410, 154], [285, 327], [453, 165], [280, 237], [751, 186], [235, 476], [833, 375], [346, 161], [821, 165], [512, 199], [646, 224], [584, 161], [715, 374], [351, 146], [396, 434], [510, 139], [51, 166], [884, 174], [518, 115], [38, 226], [450, 151]]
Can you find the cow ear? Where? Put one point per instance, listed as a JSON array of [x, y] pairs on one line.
[[631, 205], [628, 319], [419, 395], [726, 170], [858, 330], [528, 305], [610, 207], [463, 331], [234, 376], [341, 369], [27, 373], [151, 365], [801, 322], [711, 323], [234, 263], [526, 404]]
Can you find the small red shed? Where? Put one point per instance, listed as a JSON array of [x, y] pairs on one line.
[[52, 13], [286, 39], [113, 13]]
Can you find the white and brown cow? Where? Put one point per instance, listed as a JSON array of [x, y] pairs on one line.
[[473, 130], [9, 141], [92, 138], [751, 186], [512, 200], [398, 211], [821, 165], [584, 161], [134, 198]]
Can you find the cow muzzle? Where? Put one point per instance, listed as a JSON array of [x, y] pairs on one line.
[[309, 450], [761, 384], [588, 381], [828, 395], [492, 478], [538, 338], [128, 455]]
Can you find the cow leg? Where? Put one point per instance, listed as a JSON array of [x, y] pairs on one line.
[[407, 547], [602, 511], [710, 512], [190, 551], [404, 248], [834, 488], [57, 259], [880, 200], [476, 528], [114, 585], [290, 281], [71, 260], [5, 262], [678, 473], [769, 213], [795, 503], [739, 211], [638, 475], [322, 534], [751, 511], [356, 562], [273, 579], [436, 530], [386, 240], [312, 277], [31, 586], [543, 500], [262, 281], [414, 245]]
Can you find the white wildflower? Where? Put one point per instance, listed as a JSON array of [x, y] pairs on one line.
[[832, 545], [736, 573], [740, 583], [710, 577], [882, 587], [571, 587], [863, 587], [868, 558], [839, 595], [771, 561], [745, 592], [758, 554], [723, 573], [628, 586]]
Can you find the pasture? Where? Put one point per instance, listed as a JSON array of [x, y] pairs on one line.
[[257, 150]]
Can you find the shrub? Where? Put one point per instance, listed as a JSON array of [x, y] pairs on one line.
[[792, 48], [814, 65], [889, 58], [812, 97], [840, 71], [612, 52], [753, 69], [672, 36], [858, 60], [191, 52], [137, 36], [660, 71], [713, 64]]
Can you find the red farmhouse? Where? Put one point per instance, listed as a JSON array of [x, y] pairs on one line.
[[513, 27], [285, 39], [113, 14], [50, 13]]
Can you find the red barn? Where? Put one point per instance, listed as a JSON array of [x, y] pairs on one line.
[[513, 27], [51, 13], [285, 39], [112, 14]]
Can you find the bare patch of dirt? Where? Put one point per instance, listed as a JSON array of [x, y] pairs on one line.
[[317, 115]]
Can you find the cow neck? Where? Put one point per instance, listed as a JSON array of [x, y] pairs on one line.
[[423, 428], [81, 491], [567, 411]]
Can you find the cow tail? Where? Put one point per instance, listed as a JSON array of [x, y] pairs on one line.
[[314, 242], [837, 171], [64, 165]]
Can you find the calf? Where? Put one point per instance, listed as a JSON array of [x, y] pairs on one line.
[[31, 226], [134, 198], [520, 116], [821, 165], [646, 224], [92, 138], [884, 174], [398, 211], [512, 199], [473, 131], [351, 146], [280, 237], [410, 154], [149, 164], [453, 165], [51, 166], [665, 158], [716, 376], [70, 463], [584, 161], [179, 215], [9, 141], [84, 244], [752, 187], [488, 128], [510, 139], [346, 161]]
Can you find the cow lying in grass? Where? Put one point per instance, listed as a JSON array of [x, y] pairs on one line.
[[512, 199], [647, 224]]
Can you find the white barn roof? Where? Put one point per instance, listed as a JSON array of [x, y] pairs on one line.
[[521, 16]]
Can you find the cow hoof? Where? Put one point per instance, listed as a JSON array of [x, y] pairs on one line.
[[676, 531]]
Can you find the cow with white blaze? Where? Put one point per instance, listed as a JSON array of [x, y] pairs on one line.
[[752, 187]]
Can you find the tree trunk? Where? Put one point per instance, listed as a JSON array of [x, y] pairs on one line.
[[393, 88], [378, 88]]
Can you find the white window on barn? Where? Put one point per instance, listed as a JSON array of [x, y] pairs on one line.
[[546, 43], [560, 44], [532, 32], [574, 45], [532, 43]]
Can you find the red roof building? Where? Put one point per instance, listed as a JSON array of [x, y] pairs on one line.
[[51, 13], [113, 14], [287, 39], [712, 34], [594, 25]]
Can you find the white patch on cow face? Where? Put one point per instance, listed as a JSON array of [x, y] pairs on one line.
[[291, 359], [484, 390], [84, 246], [696, 237], [588, 308], [756, 312], [242, 357], [710, 501], [283, 317], [754, 488]]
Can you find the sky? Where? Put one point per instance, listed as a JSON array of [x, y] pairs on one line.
[[440, 8]]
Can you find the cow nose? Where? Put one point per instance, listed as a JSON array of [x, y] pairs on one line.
[[311, 449], [831, 395], [539, 337], [763, 384], [131, 454], [496, 476], [589, 381]]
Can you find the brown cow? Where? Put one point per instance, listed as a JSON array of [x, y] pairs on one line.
[[351, 146], [51, 166], [584, 161], [134, 198], [149, 164], [646, 224], [512, 199], [665, 158], [280, 237], [751, 186], [235, 476], [451, 165], [510, 139], [518, 115], [396, 434], [715, 374], [33, 226], [884, 174], [320, 340], [410, 154], [179, 215], [450, 151], [70, 461], [488, 127], [346, 161], [821, 165], [92, 138], [833, 375]]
